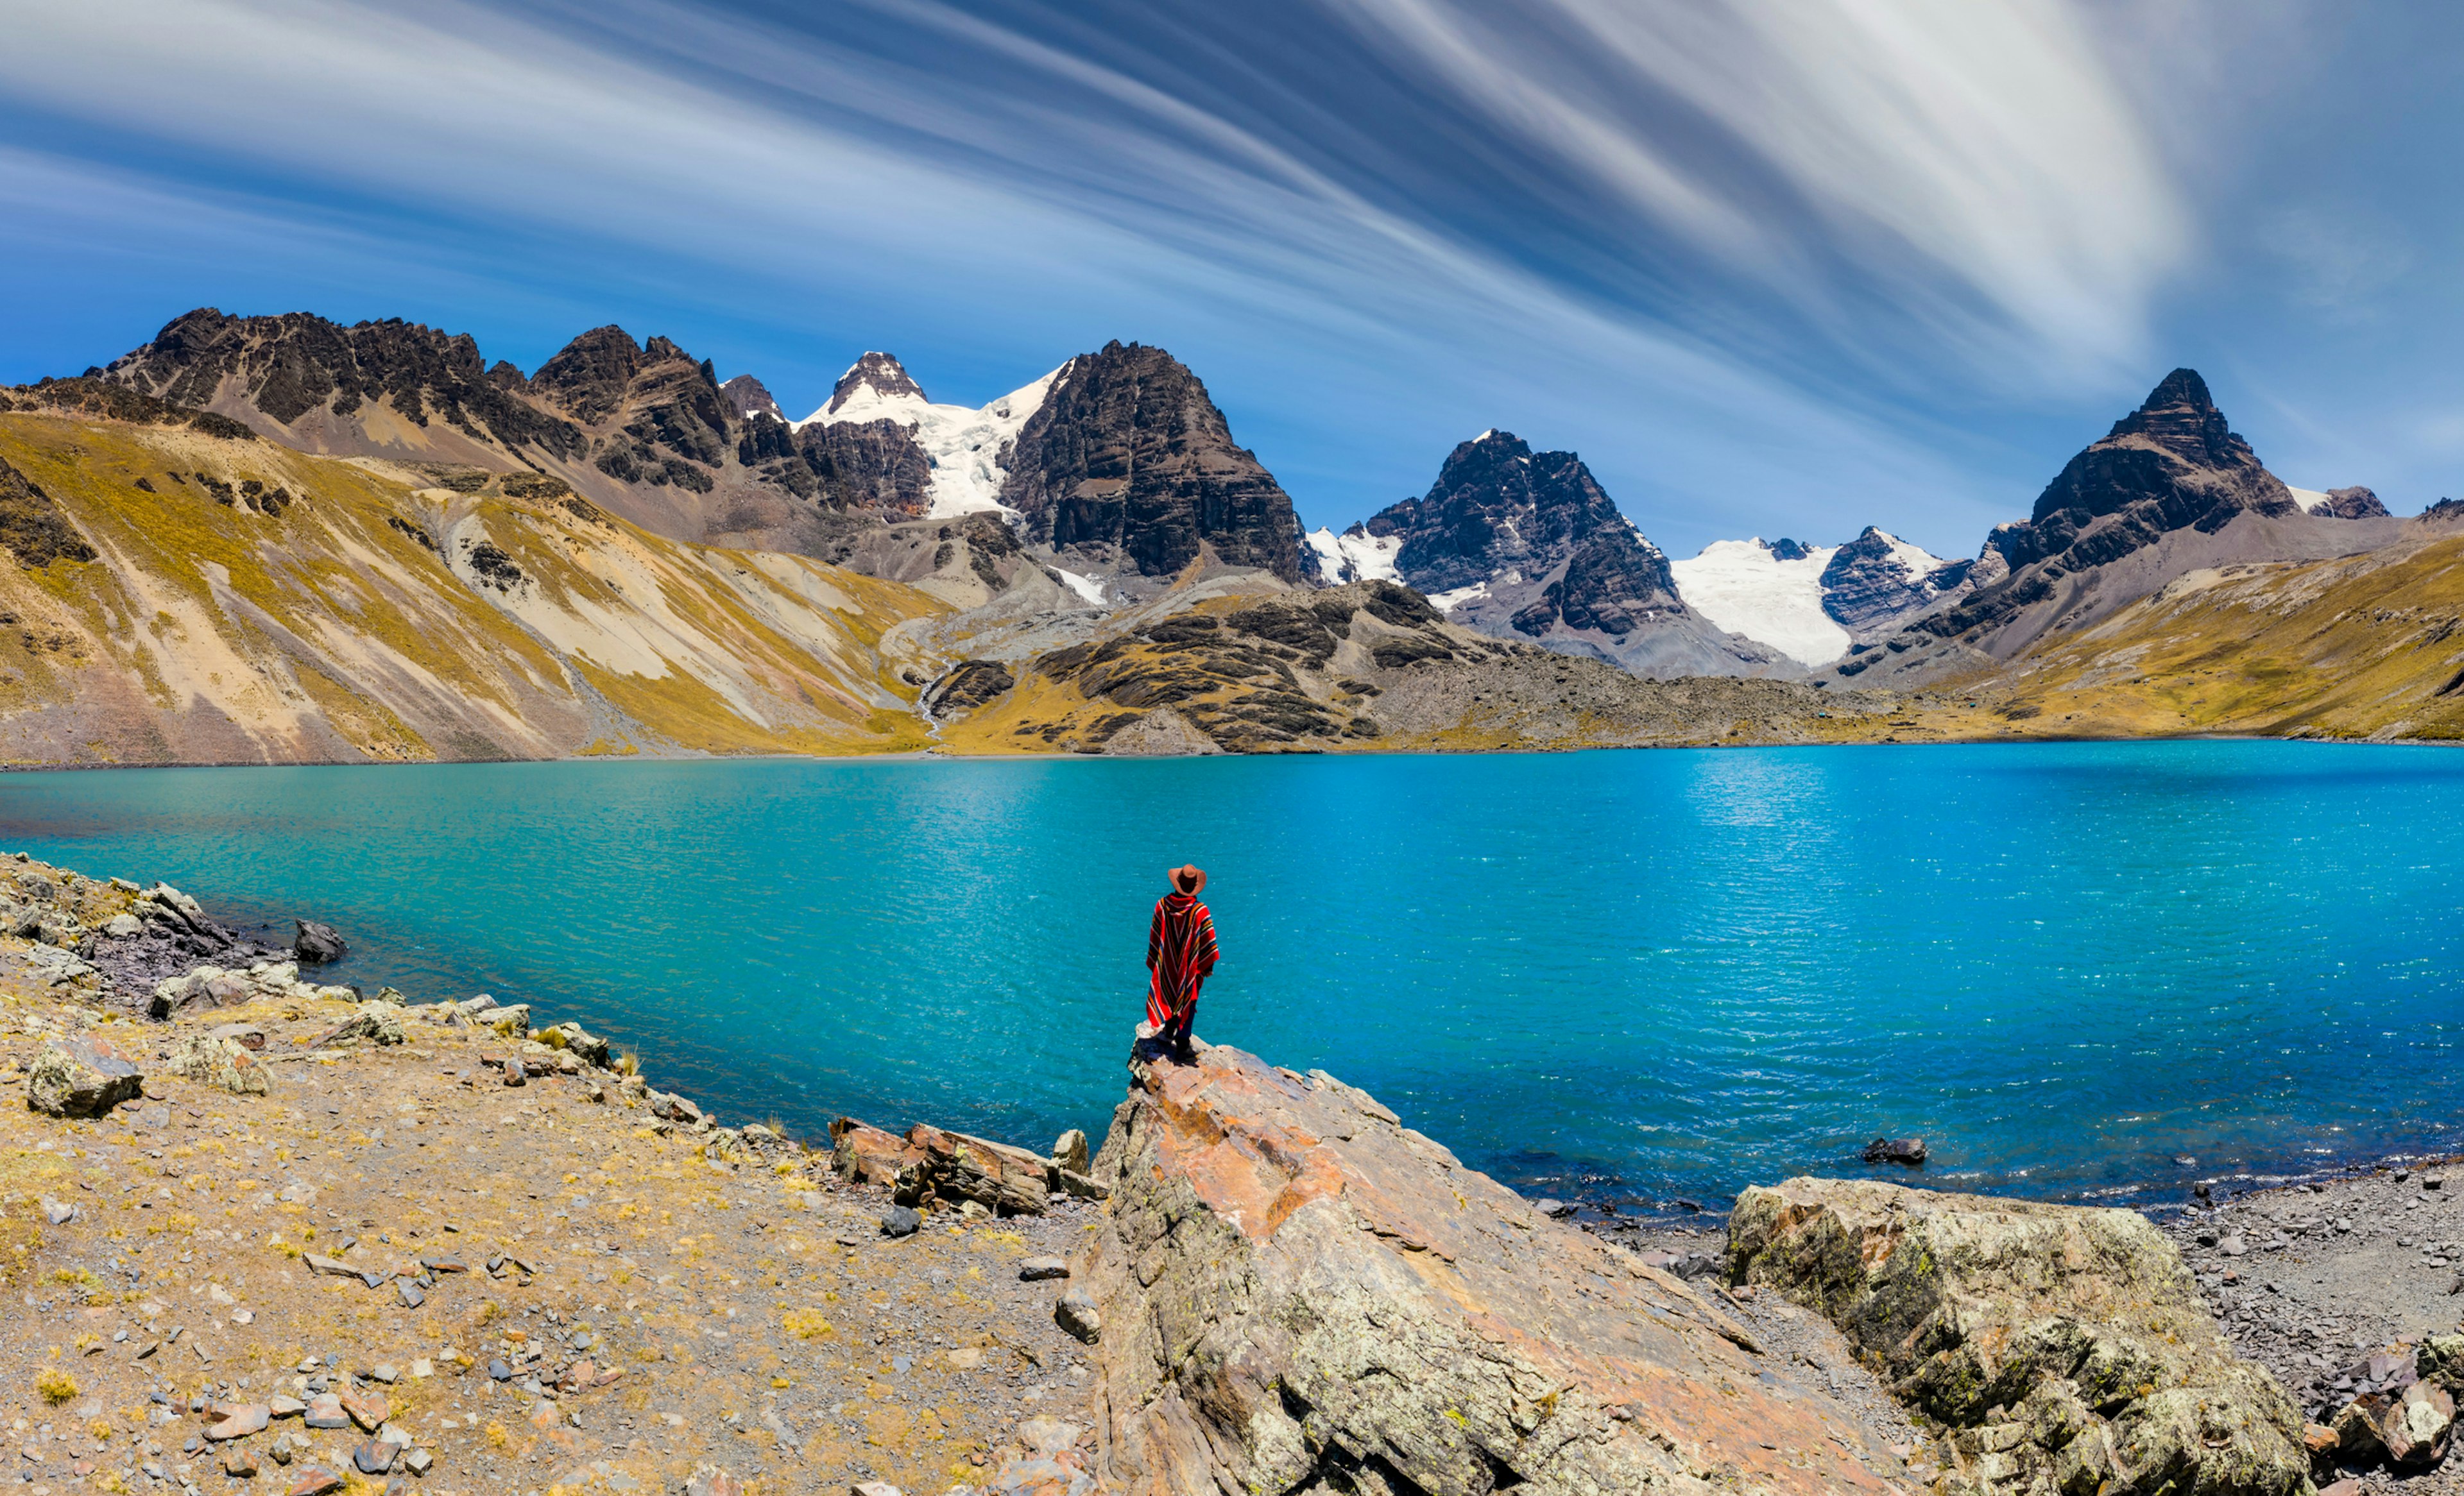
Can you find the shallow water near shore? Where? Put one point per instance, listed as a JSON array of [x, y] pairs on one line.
[[1624, 975]]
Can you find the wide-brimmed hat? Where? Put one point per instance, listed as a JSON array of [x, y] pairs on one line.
[[1190, 874]]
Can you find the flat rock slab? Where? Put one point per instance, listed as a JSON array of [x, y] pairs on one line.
[[1297, 1292], [241, 1422], [2061, 1347]]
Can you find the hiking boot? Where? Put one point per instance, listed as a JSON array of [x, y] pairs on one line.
[[1183, 1054]]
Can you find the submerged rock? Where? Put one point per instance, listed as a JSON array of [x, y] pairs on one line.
[[2063, 1348], [318, 944], [1293, 1292]]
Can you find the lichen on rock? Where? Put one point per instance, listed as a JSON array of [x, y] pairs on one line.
[[2061, 1347], [1293, 1292]]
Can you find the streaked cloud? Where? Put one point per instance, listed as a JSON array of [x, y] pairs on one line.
[[1734, 252]]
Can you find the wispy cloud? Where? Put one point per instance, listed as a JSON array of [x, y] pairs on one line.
[[1668, 221]]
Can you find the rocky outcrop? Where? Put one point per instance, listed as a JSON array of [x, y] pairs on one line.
[[1877, 579], [1519, 543], [2352, 503], [1293, 1292], [33, 526], [748, 397], [2064, 1348], [2173, 463], [1129, 460], [2170, 491], [285, 367]]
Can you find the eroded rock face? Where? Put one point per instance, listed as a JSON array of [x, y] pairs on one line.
[[1869, 583], [2065, 1349], [1129, 456], [1526, 545], [1296, 1293], [2172, 464]]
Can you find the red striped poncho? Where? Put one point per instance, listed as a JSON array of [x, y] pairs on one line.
[[1181, 951]]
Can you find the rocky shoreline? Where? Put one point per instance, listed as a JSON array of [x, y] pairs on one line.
[[269, 1234]]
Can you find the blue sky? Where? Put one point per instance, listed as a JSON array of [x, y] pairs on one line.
[[1770, 269]]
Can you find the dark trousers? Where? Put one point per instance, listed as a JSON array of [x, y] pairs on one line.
[[1176, 1029]]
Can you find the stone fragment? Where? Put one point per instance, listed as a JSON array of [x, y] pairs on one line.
[[1908, 1151], [1079, 1186], [204, 988], [1036, 1269], [1005, 1180], [411, 1293], [122, 927], [1048, 1436], [367, 1409], [2415, 1427], [711, 1479], [377, 1022], [325, 1411], [868, 1155], [385, 1372], [239, 1462], [81, 1077], [579, 1042], [247, 1036], [58, 1213], [375, 1456], [315, 1481], [876, 1488], [318, 944], [1972, 1304], [285, 1407], [2358, 1427], [1070, 1152], [221, 1062], [238, 1422], [900, 1221], [418, 1461], [1077, 1315], [333, 1266]]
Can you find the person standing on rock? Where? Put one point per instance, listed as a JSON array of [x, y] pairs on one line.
[[1181, 952]]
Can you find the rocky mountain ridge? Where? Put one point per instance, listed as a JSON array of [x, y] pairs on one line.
[[2170, 490], [1129, 467], [1522, 545]]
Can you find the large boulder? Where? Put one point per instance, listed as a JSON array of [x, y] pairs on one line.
[[1005, 1180], [202, 987], [2061, 1347], [222, 1062], [1298, 1294], [82, 1077], [318, 944]]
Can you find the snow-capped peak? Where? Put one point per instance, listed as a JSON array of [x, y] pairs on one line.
[[876, 377], [964, 444], [2310, 499]]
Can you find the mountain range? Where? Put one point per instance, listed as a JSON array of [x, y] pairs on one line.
[[383, 545]]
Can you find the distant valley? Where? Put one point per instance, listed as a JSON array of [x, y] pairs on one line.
[[284, 540]]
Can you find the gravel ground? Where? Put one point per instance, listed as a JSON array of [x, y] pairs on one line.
[[755, 1313], [2310, 1279]]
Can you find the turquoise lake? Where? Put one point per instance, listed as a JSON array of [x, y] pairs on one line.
[[1621, 976]]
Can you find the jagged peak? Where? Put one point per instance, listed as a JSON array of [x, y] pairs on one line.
[[749, 397], [878, 372], [2181, 387]]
